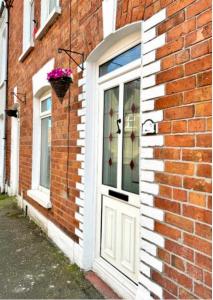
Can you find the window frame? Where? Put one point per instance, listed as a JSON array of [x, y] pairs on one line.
[[40, 89], [115, 51], [43, 115], [48, 7], [28, 17], [47, 18], [45, 10], [118, 56]]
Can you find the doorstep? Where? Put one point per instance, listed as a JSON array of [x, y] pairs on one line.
[[101, 286]]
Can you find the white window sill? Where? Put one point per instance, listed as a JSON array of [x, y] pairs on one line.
[[26, 52], [42, 198], [50, 20]]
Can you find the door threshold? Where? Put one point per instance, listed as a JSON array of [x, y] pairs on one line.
[[120, 284], [101, 286]]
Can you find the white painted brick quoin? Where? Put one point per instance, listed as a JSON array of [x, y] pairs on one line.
[[81, 158], [150, 240], [149, 57]]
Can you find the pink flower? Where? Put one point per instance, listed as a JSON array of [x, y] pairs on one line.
[[59, 73]]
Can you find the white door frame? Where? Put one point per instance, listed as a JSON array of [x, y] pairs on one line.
[[126, 37], [130, 72]]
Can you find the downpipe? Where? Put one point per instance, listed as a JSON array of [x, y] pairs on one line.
[[3, 188]]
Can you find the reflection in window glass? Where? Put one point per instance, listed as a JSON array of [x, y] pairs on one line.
[[130, 163], [110, 137], [46, 105], [120, 60]]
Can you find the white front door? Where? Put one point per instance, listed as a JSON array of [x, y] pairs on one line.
[[118, 180]]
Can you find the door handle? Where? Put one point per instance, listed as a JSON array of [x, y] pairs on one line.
[[118, 122]]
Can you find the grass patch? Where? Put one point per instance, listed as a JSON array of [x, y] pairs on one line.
[[3, 196], [7, 202]]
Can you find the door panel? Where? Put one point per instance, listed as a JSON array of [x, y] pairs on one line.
[[128, 227], [109, 236], [120, 227]]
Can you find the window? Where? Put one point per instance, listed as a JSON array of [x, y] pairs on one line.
[[51, 5], [41, 137], [50, 10], [47, 7], [28, 17], [3, 57], [45, 118], [120, 60]]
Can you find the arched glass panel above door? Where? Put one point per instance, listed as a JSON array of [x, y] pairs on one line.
[[120, 60]]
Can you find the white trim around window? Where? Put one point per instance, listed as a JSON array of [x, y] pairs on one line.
[[50, 10], [41, 88], [38, 192], [40, 197], [28, 17]]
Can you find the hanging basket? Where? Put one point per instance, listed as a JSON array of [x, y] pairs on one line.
[[60, 86]]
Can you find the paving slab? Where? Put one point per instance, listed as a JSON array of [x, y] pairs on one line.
[[31, 267]]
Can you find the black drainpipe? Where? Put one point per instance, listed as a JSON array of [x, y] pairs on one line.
[[7, 5]]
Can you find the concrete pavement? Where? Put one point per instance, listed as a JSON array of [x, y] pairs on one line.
[[31, 267]]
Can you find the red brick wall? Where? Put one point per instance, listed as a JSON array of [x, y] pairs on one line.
[[129, 11], [87, 18], [185, 185]]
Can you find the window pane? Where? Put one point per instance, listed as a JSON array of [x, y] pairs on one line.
[[52, 5], [130, 164], [110, 140], [120, 60], [45, 152], [46, 105], [28, 25]]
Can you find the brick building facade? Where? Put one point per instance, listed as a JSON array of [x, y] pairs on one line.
[[166, 225]]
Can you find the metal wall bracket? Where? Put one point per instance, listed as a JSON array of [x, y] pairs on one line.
[[69, 52], [20, 96]]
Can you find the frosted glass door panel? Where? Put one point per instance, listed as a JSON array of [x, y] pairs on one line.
[[110, 137], [130, 163]]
